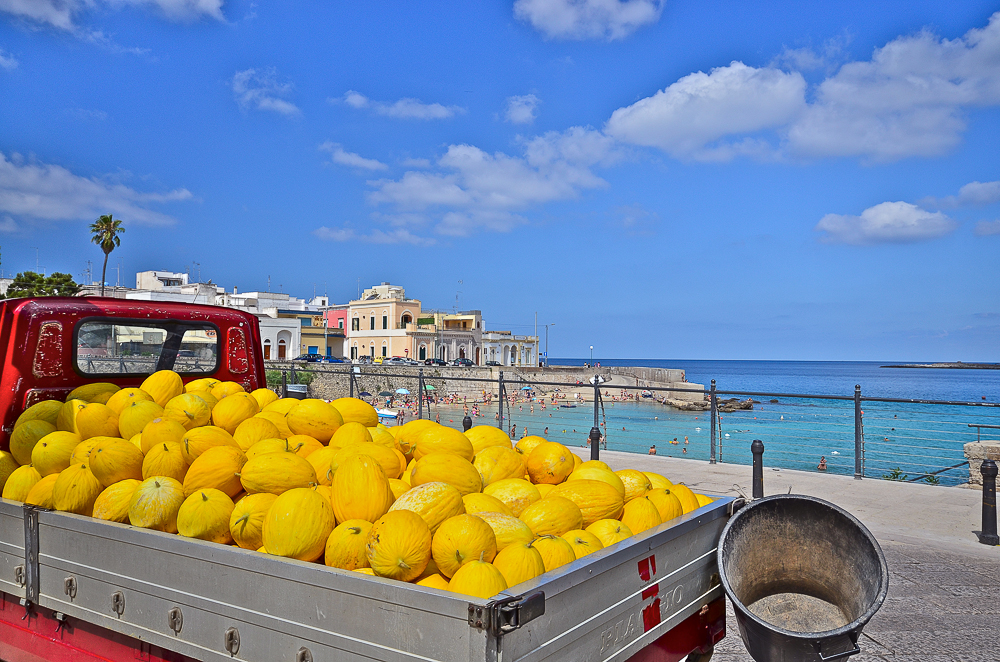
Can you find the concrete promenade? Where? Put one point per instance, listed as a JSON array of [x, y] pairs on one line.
[[944, 586]]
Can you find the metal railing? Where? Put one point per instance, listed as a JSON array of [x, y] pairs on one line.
[[891, 438]]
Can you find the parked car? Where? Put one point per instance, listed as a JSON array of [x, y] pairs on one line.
[[363, 359], [465, 363], [309, 358], [394, 360], [492, 363], [435, 362], [334, 359], [413, 362], [378, 360]]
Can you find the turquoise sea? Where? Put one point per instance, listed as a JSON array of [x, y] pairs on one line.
[[900, 439]]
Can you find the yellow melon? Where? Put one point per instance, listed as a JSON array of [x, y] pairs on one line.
[[358, 411], [380, 437], [163, 385], [25, 436], [276, 473], [7, 466], [136, 415], [596, 499], [246, 523], [205, 515], [52, 452], [233, 410], [498, 463], [703, 500], [82, 451], [115, 459], [203, 384], [583, 542], [160, 431], [217, 468], [555, 551], [433, 580], [518, 563], [265, 446], [40, 493], [528, 444], [66, 420], [516, 493], [126, 396], [252, 430], [549, 462], [441, 439], [89, 391], [609, 531], [398, 487], [399, 545], [278, 421], [597, 473], [112, 503], [635, 482], [386, 458], [226, 389], [640, 514], [303, 445], [75, 490], [155, 503], [666, 502], [445, 468], [689, 502], [314, 418], [166, 459], [484, 503], [552, 515], [188, 410], [320, 461], [349, 433], [198, 440], [656, 480], [96, 420], [46, 410], [407, 434], [298, 523], [360, 489], [20, 482], [264, 396], [346, 546], [282, 406], [486, 436], [434, 502], [544, 489], [478, 579], [460, 540], [508, 530]]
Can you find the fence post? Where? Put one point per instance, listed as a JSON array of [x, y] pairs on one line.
[[989, 471], [711, 400], [859, 471], [500, 398], [350, 379], [466, 423], [757, 448], [420, 394], [595, 432], [284, 384]]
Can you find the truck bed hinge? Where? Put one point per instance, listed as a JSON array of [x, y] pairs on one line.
[[502, 616], [30, 555]]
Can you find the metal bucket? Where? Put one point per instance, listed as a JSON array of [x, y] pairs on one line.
[[804, 577], [297, 391]]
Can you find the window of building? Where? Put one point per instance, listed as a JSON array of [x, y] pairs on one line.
[[385, 351], [406, 319], [373, 351], [329, 351], [305, 321], [385, 321], [340, 323], [373, 325], [354, 352], [282, 350], [423, 352], [355, 325], [267, 350]]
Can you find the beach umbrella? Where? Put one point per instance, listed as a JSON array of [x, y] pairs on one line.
[[526, 388], [365, 394], [428, 387], [402, 391], [385, 394]]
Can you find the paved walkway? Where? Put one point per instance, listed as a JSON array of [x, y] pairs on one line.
[[943, 584]]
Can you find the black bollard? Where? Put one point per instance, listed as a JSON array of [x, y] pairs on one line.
[[757, 448], [284, 384], [989, 471], [595, 444], [466, 423]]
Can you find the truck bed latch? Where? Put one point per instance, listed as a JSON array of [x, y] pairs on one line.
[[503, 616]]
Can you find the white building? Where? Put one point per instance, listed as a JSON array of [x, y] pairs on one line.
[[507, 348]]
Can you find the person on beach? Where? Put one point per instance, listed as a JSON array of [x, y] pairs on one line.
[[652, 449], [822, 463]]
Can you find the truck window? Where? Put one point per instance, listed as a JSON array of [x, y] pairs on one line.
[[137, 347]]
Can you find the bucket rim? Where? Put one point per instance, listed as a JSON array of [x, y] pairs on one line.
[[854, 626]]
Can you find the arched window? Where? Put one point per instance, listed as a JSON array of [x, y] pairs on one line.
[[385, 349], [461, 352], [282, 349], [406, 319], [267, 350], [422, 353]]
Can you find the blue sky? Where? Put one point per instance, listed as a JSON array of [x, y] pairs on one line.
[[719, 180]]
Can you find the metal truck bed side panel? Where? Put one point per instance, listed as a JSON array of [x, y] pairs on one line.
[[611, 603], [11, 546]]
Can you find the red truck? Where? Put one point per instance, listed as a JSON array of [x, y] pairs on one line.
[[74, 588]]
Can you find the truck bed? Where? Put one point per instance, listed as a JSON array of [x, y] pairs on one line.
[[231, 603]]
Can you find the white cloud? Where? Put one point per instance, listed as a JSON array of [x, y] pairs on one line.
[[521, 109], [61, 14], [406, 108], [339, 155], [885, 223], [588, 19], [987, 228], [470, 189], [908, 100], [261, 89], [46, 192], [972, 194], [7, 61], [376, 236], [701, 108]]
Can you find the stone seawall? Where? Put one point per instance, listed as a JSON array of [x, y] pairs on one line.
[[332, 381]]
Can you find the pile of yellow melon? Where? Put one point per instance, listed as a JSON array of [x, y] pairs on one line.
[[318, 481]]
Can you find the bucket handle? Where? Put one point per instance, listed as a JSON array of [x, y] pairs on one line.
[[838, 656]]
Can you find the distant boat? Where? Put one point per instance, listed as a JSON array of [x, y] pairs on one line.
[[647, 394], [386, 413], [697, 429]]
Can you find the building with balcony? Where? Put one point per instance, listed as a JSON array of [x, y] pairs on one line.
[[507, 348]]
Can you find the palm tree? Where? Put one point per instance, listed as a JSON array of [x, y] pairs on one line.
[[105, 234]]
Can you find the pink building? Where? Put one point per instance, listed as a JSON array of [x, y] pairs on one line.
[[336, 318]]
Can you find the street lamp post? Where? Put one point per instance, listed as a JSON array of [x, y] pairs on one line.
[[547, 342], [591, 355]]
